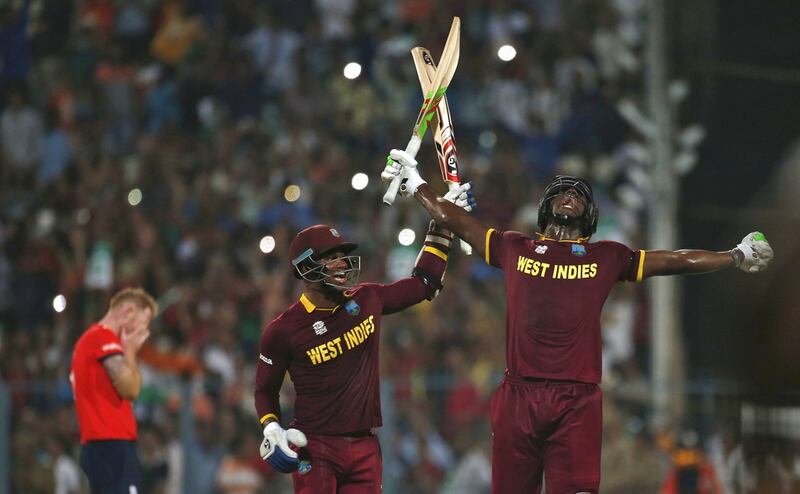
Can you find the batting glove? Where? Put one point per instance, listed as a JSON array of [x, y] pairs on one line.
[[462, 197], [756, 253], [275, 448], [400, 163]]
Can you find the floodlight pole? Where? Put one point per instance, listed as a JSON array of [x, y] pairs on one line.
[[667, 372]]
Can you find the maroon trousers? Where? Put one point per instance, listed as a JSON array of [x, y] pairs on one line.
[[340, 465], [550, 428]]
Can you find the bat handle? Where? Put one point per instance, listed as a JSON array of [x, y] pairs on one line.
[[465, 247], [391, 193]]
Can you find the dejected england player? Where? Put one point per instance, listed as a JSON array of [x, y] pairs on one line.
[[105, 379], [328, 342], [546, 414]]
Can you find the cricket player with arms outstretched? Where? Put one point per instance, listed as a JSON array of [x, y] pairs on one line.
[[546, 414], [328, 341]]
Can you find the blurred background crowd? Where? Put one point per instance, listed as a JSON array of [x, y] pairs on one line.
[[180, 144]]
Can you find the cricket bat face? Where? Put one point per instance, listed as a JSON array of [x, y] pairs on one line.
[[437, 88], [443, 135]]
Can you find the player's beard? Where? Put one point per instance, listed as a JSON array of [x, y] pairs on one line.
[[336, 289], [333, 292], [569, 221]]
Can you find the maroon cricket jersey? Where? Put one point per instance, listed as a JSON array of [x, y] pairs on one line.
[[332, 358], [555, 292]]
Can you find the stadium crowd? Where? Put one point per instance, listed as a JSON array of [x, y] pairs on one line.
[[154, 143]]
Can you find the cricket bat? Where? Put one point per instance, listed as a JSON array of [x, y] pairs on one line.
[[443, 136], [444, 74]]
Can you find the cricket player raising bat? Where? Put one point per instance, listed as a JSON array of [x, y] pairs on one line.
[[328, 342], [546, 414]]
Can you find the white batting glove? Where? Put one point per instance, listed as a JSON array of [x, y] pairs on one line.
[[462, 197], [391, 171], [275, 448], [756, 253], [400, 163]]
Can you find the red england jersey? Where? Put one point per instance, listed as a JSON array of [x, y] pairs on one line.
[[332, 358], [102, 413], [555, 292]]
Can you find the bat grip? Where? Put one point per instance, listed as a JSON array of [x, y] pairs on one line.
[[391, 193]]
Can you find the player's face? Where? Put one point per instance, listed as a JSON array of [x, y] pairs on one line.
[[137, 318], [569, 202], [336, 265]]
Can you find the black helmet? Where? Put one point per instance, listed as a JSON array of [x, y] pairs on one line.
[[563, 183]]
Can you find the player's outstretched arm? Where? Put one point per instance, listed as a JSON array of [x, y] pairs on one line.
[[450, 215], [752, 255]]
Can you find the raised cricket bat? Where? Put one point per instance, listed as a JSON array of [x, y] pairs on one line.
[[443, 135], [438, 86]]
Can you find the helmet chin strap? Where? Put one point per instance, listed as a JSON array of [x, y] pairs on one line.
[[334, 289]]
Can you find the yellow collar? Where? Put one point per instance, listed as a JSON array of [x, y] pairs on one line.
[[580, 240], [310, 307]]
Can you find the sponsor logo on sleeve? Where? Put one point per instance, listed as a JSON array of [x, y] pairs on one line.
[[265, 359], [109, 347]]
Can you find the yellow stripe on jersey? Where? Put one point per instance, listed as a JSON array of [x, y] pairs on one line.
[[640, 271], [578, 241], [267, 417], [436, 252], [310, 307], [486, 251]]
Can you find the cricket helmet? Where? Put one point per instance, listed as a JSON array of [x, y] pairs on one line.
[[312, 244], [562, 183]]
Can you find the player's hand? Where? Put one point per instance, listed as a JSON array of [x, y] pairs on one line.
[[275, 448], [400, 163], [132, 339], [756, 253], [462, 197]]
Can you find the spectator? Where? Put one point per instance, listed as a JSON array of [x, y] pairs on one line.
[[21, 137], [238, 472]]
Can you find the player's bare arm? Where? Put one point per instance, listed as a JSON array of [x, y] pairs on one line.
[[123, 368], [450, 211], [453, 218], [125, 377], [752, 255]]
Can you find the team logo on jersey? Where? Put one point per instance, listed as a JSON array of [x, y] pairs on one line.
[[578, 249], [540, 249], [335, 233], [352, 308], [304, 467], [319, 328]]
